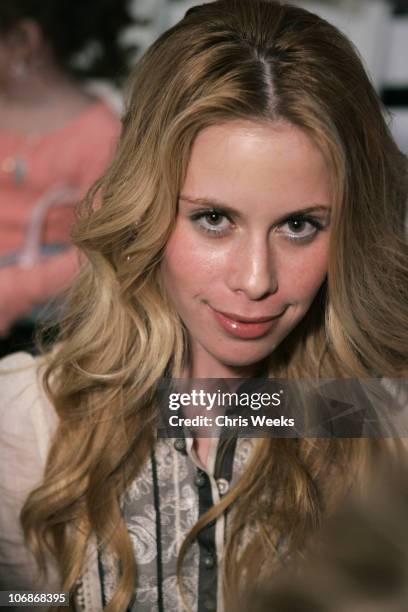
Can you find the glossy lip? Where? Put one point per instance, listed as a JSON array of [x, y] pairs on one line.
[[241, 319], [249, 329]]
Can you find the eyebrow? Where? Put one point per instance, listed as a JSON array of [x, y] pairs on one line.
[[211, 202]]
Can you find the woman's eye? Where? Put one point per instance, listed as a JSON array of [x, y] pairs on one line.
[[213, 222], [213, 218], [218, 224], [300, 228]]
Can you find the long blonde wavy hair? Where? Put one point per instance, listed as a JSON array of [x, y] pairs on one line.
[[230, 59]]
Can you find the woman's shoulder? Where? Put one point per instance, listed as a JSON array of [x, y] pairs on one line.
[[25, 411], [27, 421]]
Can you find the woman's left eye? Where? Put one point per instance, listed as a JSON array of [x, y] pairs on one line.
[[300, 228]]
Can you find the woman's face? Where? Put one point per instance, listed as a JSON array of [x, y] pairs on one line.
[[250, 242]]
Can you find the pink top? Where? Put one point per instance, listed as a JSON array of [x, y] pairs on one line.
[[42, 178], [73, 156]]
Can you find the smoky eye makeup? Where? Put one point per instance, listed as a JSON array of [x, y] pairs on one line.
[[212, 221], [301, 228], [296, 228]]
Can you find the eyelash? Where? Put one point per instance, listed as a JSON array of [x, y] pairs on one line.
[[216, 233]]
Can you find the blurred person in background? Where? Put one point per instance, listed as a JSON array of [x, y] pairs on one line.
[[357, 563], [56, 138]]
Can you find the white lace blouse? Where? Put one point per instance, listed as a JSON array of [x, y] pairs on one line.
[[160, 507]]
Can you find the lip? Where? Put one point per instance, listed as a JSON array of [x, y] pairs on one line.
[[242, 319], [245, 327]]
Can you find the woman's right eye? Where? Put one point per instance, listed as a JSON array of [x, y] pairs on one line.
[[213, 222]]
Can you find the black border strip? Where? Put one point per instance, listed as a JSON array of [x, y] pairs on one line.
[[156, 494], [101, 577]]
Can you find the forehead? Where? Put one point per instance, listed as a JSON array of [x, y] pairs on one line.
[[253, 164]]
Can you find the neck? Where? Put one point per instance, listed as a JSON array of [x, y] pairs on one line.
[[41, 102], [224, 371], [39, 87], [204, 366]]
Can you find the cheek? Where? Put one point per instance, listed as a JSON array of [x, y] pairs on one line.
[[186, 265], [302, 274]]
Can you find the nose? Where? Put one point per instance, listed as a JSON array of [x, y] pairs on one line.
[[253, 269]]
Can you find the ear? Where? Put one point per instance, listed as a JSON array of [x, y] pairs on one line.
[[25, 38]]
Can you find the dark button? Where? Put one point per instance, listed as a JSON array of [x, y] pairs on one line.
[[210, 604], [200, 479], [209, 561], [180, 445]]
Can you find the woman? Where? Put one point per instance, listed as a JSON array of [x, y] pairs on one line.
[[56, 139], [250, 224]]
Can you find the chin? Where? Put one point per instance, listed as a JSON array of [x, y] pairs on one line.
[[242, 361]]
